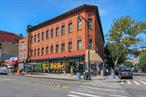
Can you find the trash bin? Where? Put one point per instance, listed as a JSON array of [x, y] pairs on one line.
[[78, 76]]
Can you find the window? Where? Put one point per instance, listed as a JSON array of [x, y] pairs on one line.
[[34, 38], [51, 49], [31, 52], [0, 46], [34, 52], [89, 23], [70, 27], [79, 24], [38, 37], [57, 48], [47, 35], [38, 51], [47, 50], [63, 30], [31, 39], [62, 47], [42, 51], [57, 31], [42, 35], [51, 33], [69, 46], [79, 43], [89, 43]]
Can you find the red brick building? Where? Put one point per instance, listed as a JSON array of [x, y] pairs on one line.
[[66, 39], [8, 45]]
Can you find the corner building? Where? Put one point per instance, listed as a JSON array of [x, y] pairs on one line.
[[63, 43]]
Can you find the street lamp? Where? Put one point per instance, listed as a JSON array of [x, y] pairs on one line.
[[87, 73]]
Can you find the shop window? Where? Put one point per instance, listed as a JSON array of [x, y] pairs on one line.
[[89, 23], [57, 48], [69, 46], [63, 30], [70, 27], [63, 47], [79, 44]]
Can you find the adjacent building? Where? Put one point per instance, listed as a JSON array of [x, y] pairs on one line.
[[8, 45], [23, 50], [68, 41]]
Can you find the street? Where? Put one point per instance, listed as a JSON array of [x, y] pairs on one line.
[[17, 86]]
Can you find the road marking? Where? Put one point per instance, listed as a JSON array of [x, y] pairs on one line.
[[101, 89], [142, 82], [71, 95], [136, 83], [84, 94], [84, 90], [129, 82], [122, 82], [5, 79]]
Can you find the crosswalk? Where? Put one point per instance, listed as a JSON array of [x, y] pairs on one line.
[[90, 91], [133, 82]]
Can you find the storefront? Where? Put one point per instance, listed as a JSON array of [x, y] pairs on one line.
[[57, 65]]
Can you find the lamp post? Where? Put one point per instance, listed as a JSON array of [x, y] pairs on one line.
[[87, 73]]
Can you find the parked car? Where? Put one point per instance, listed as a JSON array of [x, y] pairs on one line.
[[126, 73], [3, 70]]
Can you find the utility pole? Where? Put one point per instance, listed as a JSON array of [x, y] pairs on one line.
[[87, 73]]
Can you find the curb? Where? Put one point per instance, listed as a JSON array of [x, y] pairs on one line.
[[54, 78]]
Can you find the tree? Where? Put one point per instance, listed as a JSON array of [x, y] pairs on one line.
[[122, 36], [143, 61]]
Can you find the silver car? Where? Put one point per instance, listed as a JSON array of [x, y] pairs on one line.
[[4, 70]]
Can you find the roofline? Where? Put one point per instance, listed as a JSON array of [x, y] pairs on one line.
[[62, 16]]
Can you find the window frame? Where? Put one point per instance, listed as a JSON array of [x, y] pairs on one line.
[[63, 31], [70, 48], [70, 27], [63, 47], [57, 48], [90, 23], [47, 34], [78, 45], [57, 31]]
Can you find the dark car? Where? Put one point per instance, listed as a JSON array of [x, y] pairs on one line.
[[125, 74]]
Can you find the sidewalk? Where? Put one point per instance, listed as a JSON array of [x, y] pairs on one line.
[[66, 77], [69, 77]]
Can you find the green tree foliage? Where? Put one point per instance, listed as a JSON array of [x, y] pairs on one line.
[[143, 61], [128, 64], [122, 36]]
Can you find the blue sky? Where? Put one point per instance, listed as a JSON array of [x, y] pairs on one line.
[[15, 15]]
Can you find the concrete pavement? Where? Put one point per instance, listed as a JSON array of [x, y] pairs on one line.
[[63, 76]]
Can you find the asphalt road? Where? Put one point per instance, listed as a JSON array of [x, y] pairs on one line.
[[15, 86], [135, 87]]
